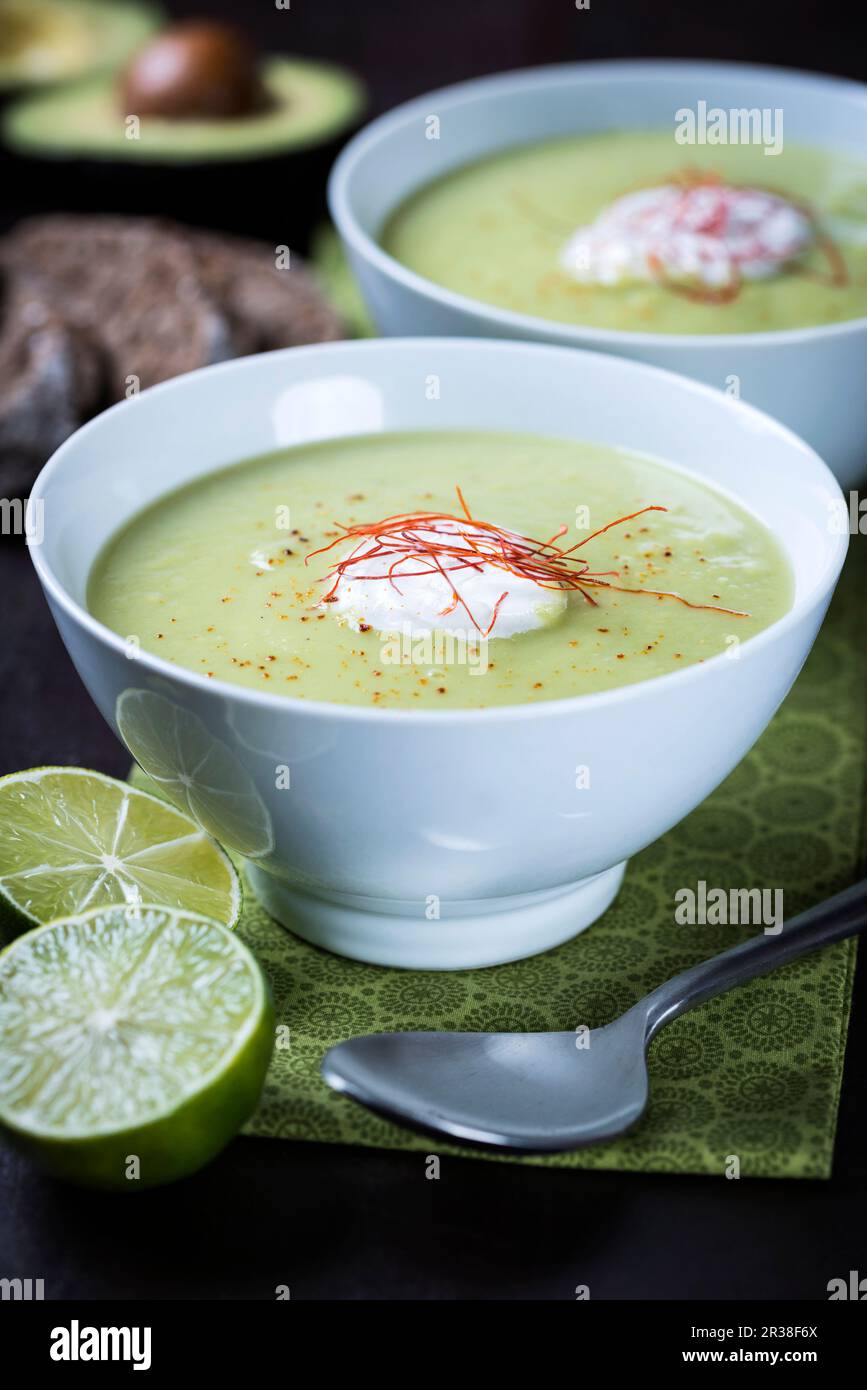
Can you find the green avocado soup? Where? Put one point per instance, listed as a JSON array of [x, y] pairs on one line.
[[213, 577], [495, 231]]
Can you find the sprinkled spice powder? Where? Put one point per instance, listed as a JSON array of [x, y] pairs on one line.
[[671, 590]]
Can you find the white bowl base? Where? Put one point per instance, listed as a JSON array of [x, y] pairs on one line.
[[466, 936]]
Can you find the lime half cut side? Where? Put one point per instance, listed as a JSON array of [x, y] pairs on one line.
[[133, 1043], [71, 840]]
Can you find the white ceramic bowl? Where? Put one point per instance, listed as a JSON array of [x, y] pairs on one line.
[[812, 378], [393, 815]]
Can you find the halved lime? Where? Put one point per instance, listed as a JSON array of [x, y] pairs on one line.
[[72, 839], [134, 1042]]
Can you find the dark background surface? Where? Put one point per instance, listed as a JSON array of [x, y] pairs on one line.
[[336, 1222]]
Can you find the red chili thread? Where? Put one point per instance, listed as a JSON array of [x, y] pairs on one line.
[[408, 538], [836, 274]]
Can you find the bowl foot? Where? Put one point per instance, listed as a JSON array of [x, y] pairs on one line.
[[464, 936]]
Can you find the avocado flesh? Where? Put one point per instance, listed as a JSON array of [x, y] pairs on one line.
[[307, 104], [43, 41]]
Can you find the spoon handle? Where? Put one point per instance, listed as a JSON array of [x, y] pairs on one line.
[[839, 917]]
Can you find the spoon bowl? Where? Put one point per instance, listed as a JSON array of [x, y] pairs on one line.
[[549, 1092], [528, 1092]]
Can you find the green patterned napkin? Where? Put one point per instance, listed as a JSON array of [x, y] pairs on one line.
[[755, 1073]]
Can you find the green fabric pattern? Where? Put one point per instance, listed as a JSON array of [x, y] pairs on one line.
[[755, 1073]]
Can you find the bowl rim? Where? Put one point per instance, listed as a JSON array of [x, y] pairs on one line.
[[329, 709], [519, 79]]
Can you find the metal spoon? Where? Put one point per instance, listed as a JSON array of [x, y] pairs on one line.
[[542, 1092]]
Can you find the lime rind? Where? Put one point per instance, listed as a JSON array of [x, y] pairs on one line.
[[72, 839], [130, 1034], [147, 995]]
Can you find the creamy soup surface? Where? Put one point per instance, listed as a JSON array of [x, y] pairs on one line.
[[213, 576], [497, 231]]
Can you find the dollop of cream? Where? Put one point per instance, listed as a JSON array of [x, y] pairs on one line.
[[711, 233], [420, 598]]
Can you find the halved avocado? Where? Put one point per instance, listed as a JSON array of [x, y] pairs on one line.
[[46, 41], [306, 103]]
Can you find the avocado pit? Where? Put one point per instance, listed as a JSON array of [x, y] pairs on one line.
[[195, 70]]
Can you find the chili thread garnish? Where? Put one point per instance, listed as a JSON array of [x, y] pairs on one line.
[[835, 273], [440, 542]]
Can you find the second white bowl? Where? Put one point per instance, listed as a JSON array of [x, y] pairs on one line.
[[811, 378]]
